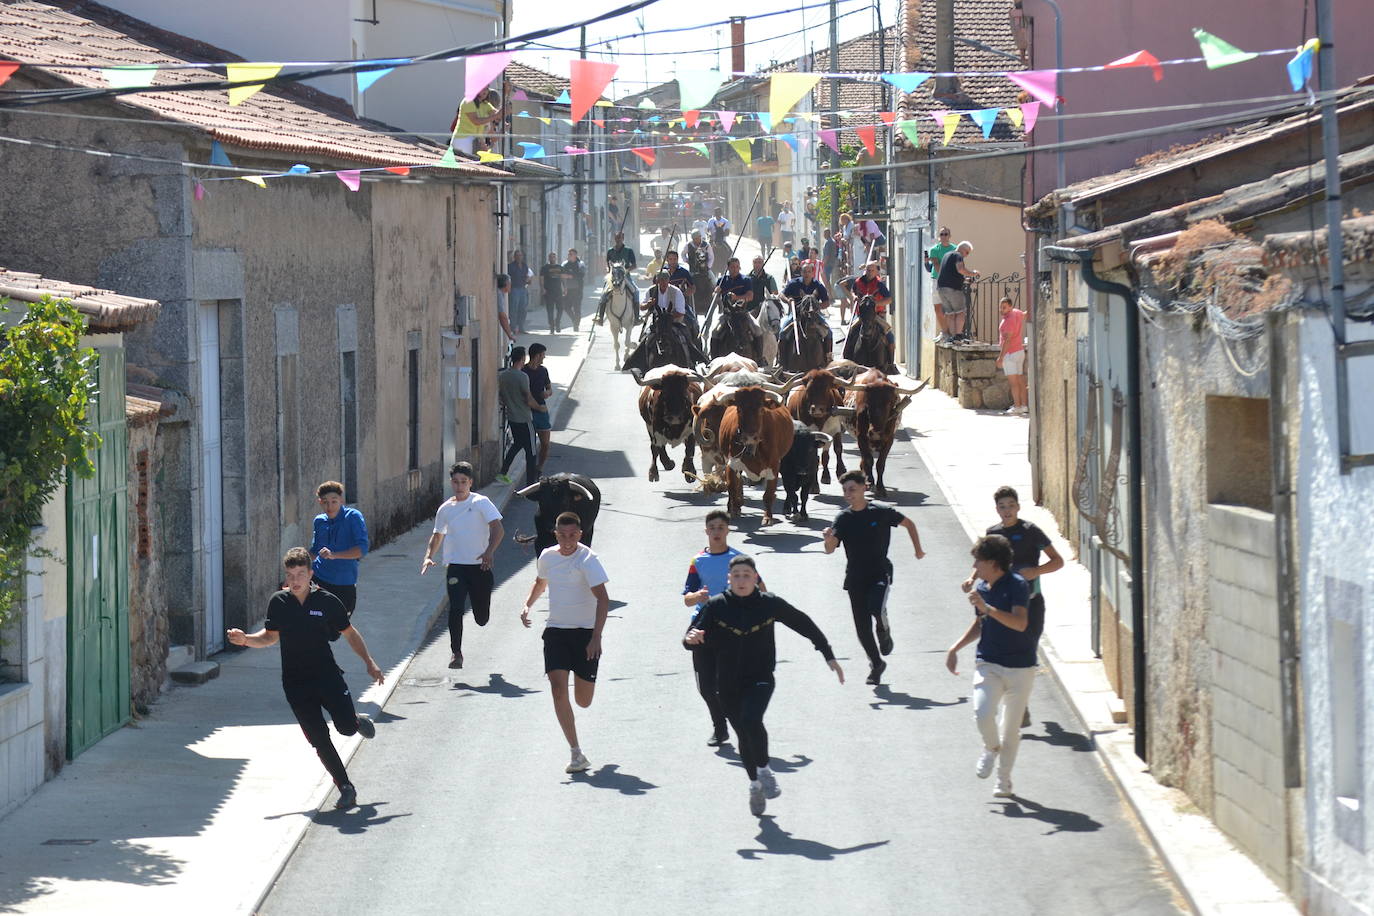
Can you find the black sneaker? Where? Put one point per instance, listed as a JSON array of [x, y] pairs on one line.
[[456, 660], [718, 738], [875, 675], [1026, 719], [348, 797], [366, 727], [884, 639]]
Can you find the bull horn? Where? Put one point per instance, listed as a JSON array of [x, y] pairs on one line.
[[846, 412], [822, 439], [851, 386], [638, 376], [916, 390], [530, 490], [586, 494]]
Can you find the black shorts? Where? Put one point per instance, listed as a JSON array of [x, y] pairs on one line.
[[566, 650], [348, 594]]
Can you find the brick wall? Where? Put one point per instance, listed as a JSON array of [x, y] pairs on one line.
[[1247, 732]]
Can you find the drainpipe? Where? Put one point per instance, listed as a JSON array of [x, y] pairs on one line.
[[1135, 484]]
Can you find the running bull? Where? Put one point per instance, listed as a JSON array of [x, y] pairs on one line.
[[559, 493], [666, 398], [799, 468], [755, 432], [878, 404]]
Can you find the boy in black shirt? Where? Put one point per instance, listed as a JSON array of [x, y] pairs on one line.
[[306, 619], [865, 531], [1027, 541]]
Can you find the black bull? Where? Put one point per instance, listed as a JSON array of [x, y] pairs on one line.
[[559, 493]]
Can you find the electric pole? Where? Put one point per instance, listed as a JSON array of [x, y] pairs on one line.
[[834, 118]]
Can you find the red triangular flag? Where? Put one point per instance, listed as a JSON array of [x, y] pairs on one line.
[[691, 117], [7, 70], [402, 170], [889, 117], [868, 135], [588, 79], [599, 122], [1140, 59], [645, 153]]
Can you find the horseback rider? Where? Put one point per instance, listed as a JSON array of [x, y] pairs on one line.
[[736, 289], [761, 282], [718, 234], [870, 284], [807, 285], [670, 307], [680, 278], [694, 252], [621, 254], [618, 256]]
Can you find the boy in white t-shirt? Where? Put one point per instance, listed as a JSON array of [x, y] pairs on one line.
[[578, 606], [468, 526]]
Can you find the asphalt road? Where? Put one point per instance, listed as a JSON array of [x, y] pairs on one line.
[[465, 807]]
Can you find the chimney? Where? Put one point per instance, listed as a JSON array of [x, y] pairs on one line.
[[737, 44], [910, 41], [944, 49]]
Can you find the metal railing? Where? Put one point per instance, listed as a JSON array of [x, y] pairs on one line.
[[984, 295]]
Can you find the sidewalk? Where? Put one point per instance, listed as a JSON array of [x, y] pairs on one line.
[[1211, 873], [197, 807]]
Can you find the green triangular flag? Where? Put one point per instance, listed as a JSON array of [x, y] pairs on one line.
[[1218, 53], [701, 148], [908, 129], [449, 161]]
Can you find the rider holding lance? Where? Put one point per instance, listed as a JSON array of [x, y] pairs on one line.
[[807, 285], [670, 303], [735, 289], [870, 284], [624, 256], [761, 282]]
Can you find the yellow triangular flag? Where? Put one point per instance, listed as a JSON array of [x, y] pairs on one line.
[[487, 155], [745, 150], [604, 103], [1016, 116], [547, 120], [951, 120], [785, 89], [253, 179], [240, 72]]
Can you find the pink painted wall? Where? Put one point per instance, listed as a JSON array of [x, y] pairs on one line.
[[1097, 32]]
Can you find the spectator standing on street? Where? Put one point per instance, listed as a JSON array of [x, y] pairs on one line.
[[739, 622], [468, 528], [787, 222], [520, 275], [503, 305], [865, 530], [541, 386], [520, 406], [934, 258], [551, 281], [574, 280], [763, 229], [950, 288], [1012, 359], [578, 608], [1008, 638], [338, 544], [830, 256], [305, 619]]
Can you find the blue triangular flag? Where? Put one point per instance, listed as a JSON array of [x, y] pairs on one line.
[[790, 140], [766, 121], [985, 118], [907, 82], [367, 77], [563, 98], [217, 156], [1300, 68], [532, 150]]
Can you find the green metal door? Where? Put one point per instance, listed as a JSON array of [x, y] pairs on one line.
[[98, 572]]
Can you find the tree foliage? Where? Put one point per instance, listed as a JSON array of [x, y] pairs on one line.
[[47, 380], [849, 190]]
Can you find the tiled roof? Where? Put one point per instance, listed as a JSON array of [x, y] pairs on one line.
[[285, 118], [106, 311], [1306, 248], [864, 54], [536, 83]]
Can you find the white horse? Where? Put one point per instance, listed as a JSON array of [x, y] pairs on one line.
[[622, 307], [770, 319]]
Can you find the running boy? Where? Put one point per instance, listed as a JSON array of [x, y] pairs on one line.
[[339, 542], [468, 527]]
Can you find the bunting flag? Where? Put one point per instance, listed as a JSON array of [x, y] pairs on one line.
[[888, 117], [744, 149], [532, 150], [253, 179], [906, 82], [241, 72], [1029, 112], [547, 120], [1139, 59], [727, 120], [1219, 53], [647, 104], [519, 95], [199, 192], [480, 69], [448, 161], [829, 137], [908, 129], [217, 155], [1039, 83], [487, 155], [7, 69], [128, 77], [701, 148], [951, 122], [1016, 116], [690, 118], [599, 122], [765, 122], [696, 88], [366, 78], [573, 150], [790, 140], [869, 136], [353, 178], [646, 153], [786, 89], [984, 118], [1300, 67], [589, 79], [402, 170]]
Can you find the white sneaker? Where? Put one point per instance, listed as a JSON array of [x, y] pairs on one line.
[[770, 785], [579, 763], [758, 801], [1012, 411], [1025, 411], [985, 762], [1003, 789]]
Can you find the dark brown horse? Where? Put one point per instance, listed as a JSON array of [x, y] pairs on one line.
[[802, 345]]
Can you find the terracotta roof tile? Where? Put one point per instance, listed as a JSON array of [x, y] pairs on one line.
[[107, 311], [535, 82], [281, 119]]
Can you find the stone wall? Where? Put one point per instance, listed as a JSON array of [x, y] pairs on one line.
[[969, 372], [148, 625]]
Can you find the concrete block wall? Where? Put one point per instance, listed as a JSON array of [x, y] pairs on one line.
[[1247, 731], [22, 702]]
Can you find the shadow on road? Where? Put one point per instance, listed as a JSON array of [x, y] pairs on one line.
[[889, 697], [779, 764], [1056, 736], [610, 777], [1061, 819], [779, 842], [497, 685], [356, 820]]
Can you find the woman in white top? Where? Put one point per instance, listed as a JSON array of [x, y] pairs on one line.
[[468, 526]]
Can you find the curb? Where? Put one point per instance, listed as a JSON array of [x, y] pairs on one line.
[[325, 785]]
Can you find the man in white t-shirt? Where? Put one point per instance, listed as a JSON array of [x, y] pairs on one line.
[[468, 527], [578, 605]]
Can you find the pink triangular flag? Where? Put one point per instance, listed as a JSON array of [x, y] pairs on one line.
[[482, 69], [199, 192], [351, 177], [1039, 83], [727, 120], [1140, 59], [589, 78], [1029, 112], [519, 95], [938, 116], [828, 137], [869, 136]]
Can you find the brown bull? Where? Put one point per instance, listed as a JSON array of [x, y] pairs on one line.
[[666, 401], [815, 403], [755, 433], [878, 406]]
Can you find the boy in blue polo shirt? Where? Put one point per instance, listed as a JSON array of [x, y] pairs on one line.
[[339, 542]]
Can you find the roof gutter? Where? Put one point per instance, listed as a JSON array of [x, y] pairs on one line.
[[1135, 485]]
